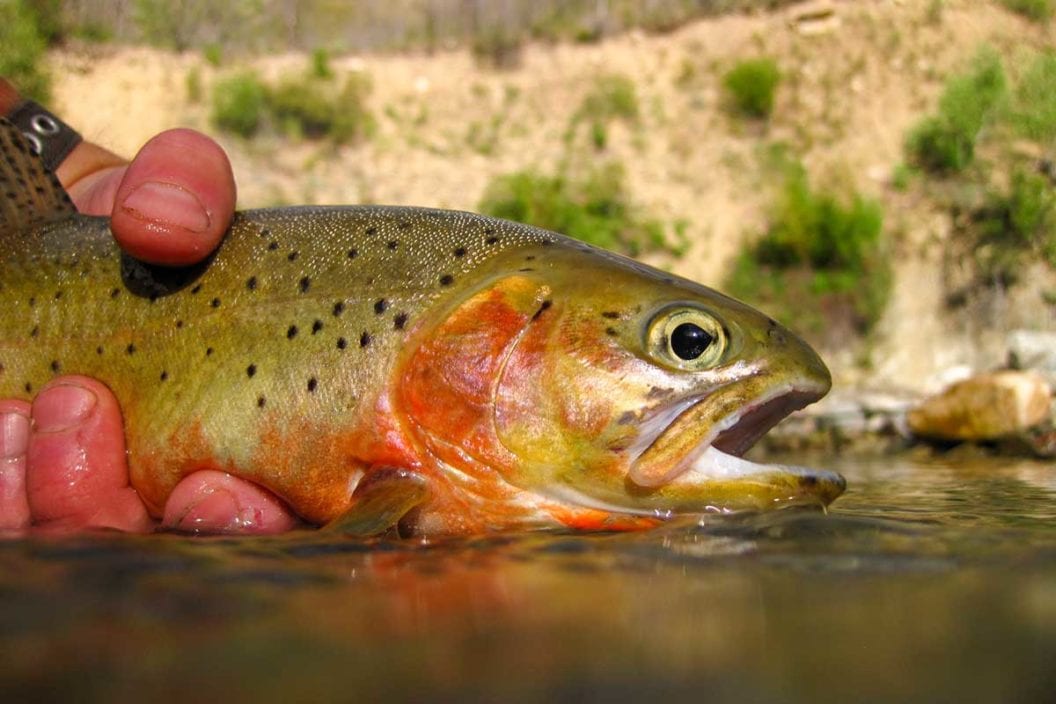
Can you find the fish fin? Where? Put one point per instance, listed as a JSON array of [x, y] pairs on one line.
[[382, 498], [29, 193]]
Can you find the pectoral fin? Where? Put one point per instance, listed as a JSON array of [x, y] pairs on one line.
[[379, 502]]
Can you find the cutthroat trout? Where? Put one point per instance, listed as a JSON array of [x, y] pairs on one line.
[[423, 370]]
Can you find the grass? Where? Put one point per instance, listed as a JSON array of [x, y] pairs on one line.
[[22, 45], [820, 254], [595, 208], [1037, 10], [239, 103], [1032, 109], [944, 143], [611, 97], [750, 87]]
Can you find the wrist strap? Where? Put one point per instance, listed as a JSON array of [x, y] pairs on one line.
[[49, 137]]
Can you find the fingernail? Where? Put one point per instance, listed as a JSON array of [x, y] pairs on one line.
[[169, 204], [14, 435], [212, 513], [62, 407]]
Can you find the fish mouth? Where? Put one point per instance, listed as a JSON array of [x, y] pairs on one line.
[[709, 463]]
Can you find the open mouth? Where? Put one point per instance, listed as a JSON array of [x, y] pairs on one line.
[[704, 444]]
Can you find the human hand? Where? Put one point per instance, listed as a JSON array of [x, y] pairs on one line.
[[62, 457]]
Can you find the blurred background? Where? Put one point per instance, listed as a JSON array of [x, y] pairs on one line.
[[879, 174]]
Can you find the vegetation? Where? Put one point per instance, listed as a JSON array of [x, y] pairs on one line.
[[498, 47], [1014, 225], [22, 45], [238, 104], [1037, 10], [945, 142], [595, 209], [1033, 105], [313, 105], [821, 254], [612, 97], [750, 87]]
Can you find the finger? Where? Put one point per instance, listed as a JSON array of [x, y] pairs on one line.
[[14, 441], [217, 502], [76, 474], [175, 200]]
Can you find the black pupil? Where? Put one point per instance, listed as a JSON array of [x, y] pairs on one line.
[[689, 341]]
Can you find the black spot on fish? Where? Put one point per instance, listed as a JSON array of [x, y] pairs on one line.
[[58, 295], [339, 308], [32, 301], [460, 252], [353, 253], [251, 370], [404, 225], [164, 376], [530, 258], [312, 383], [114, 292], [28, 387], [251, 283], [611, 332], [489, 230], [35, 331], [272, 246], [491, 240], [372, 230], [265, 232], [545, 305], [447, 280], [179, 323], [393, 244], [342, 343], [261, 401], [196, 288], [399, 321], [611, 315], [292, 256], [131, 349], [99, 350], [305, 283], [215, 303], [380, 305], [208, 351], [55, 366], [526, 269], [364, 339], [291, 332], [547, 243], [317, 326]]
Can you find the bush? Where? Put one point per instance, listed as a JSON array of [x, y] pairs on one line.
[[1033, 109], [1037, 10], [22, 46], [594, 209], [750, 86], [945, 142], [238, 104], [315, 108], [612, 97], [819, 252], [498, 47], [1013, 224]]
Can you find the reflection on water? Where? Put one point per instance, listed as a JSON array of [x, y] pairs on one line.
[[927, 581]]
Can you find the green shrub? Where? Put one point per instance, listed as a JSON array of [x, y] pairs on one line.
[[194, 85], [820, 252], [1013, 224], [22, 46], [321, 64], [1037, 10], [1033, 108], [945, 142], [595, 209], [612, 97], [750, 86], [316, 108], [498, 47], [238, 104]]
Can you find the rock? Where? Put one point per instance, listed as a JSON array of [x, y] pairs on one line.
[[1031, 349], [984, 407]]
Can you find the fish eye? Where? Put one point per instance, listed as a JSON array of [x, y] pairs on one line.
[[686, 338]]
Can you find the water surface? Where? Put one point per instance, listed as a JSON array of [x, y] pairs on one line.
[[930, 580]]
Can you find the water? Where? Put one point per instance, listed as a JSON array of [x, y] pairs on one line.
[[929, 581]]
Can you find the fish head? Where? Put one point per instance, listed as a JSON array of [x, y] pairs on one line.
[[633, 391]]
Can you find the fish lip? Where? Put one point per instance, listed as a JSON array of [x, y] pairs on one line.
[[735, 433]]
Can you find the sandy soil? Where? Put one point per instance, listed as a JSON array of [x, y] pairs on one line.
[[852, 86]]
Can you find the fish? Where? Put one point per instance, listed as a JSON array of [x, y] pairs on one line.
[[401, 369]]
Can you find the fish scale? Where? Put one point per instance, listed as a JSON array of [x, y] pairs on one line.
[[445, 371]]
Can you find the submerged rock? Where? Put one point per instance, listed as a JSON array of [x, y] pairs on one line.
[[984, 407]]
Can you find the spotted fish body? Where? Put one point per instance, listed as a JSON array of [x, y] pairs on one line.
[[474, 374]]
